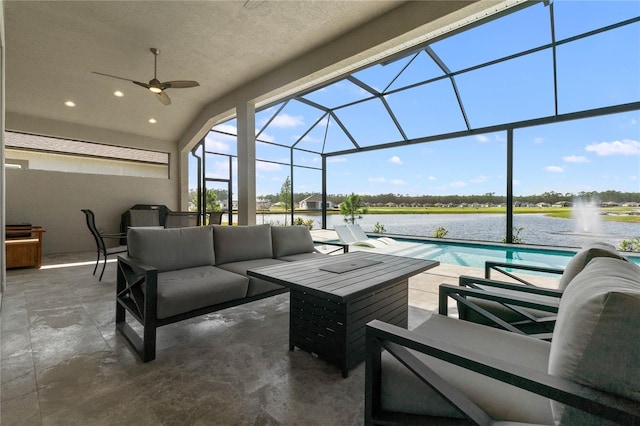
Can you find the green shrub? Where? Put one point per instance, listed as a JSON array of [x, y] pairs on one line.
[[632, 245], [300, 221], [378, 228], [440, 232]]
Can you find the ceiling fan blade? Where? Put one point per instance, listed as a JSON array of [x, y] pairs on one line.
[[180, 84], [145, 85], [112, 76], [164, 98]]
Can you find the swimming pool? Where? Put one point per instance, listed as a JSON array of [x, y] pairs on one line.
[[475, 255]]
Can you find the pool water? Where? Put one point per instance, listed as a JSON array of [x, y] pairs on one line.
[[475, 255]]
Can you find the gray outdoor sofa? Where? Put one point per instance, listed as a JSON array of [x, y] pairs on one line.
[[170, 275], [450, 371]]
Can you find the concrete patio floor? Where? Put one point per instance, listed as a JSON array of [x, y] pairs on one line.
[[63, 364]]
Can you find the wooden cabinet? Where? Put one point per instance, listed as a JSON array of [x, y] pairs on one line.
[[23, 246]]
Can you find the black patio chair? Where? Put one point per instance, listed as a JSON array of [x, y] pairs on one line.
[[101, 247]]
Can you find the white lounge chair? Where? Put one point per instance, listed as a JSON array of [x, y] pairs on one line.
[[359, 235], [347, 237]]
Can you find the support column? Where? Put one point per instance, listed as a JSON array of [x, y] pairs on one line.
[[509, 212], [246, 120]]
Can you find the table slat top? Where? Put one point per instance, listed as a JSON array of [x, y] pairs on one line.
[[308, 276]]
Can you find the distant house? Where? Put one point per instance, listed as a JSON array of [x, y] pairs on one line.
[[314, 202]]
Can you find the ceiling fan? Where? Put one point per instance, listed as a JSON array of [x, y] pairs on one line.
[[155, 85]]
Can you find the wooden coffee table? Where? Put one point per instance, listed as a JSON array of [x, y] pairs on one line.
[[334, 297]]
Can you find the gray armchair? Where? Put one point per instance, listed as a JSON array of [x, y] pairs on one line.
[[448, 371], [538, 316]]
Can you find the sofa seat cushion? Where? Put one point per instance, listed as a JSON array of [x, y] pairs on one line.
[[597, 334], [239, 243], [303, 256], [401, 391], [290, 240], [185, 290], [583, 257], [171, 249], [256, 285]]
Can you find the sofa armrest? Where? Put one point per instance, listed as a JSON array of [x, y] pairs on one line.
[[137, 293], [475, 282], [501, 266], [514, 300], [397, 340]]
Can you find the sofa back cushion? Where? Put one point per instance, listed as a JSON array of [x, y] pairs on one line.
[[290, 240], [238, 243], [583, 257], [172, 249], [595, 340]]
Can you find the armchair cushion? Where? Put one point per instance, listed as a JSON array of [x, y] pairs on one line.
[[583, 257], [595, 341], [290, 240], [401, 391], [171, 249], [239, 243]]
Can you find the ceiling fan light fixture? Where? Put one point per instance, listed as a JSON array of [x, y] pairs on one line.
[[155, 89]]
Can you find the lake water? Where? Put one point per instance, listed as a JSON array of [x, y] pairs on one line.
[[538, 229]]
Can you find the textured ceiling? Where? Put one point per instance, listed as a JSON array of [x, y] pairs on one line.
[[52, 47]]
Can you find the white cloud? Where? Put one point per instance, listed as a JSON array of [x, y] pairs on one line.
[[217, 145], [287, 121], [227, 128], [554, 169], [482, 138], [516, 182], [623, 147], [538, 139], [431, 178], [479, 179], [262, 166], [336, 160], [395, 160], [377, 179], [458, 184], [634, 178], [576, 159], [398, 182]]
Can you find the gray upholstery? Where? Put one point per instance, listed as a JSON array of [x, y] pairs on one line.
[[596, 341], [302, 256], [575, 265], [239, 243], [144, 217], [289, 240], [256, 285], [199, 287], [403, 392], [583, 257], [171, 249]]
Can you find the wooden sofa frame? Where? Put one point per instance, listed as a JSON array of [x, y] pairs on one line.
[[141, 305]]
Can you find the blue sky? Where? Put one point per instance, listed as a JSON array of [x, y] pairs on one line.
[[594, 154]]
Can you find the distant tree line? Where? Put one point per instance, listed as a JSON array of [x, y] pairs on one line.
[[551, 197]]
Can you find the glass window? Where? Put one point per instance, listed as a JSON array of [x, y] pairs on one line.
[[515, 90], [339, 93], [290, 123], [422, 68], [431, 109], [578, 17], [599, 70], [514, 33], [369, 123]]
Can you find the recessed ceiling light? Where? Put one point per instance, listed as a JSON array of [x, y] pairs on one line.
[[70, 104], [118, 93], [153, 121]]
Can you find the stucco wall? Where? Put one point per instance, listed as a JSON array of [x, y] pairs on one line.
[[54, 200]]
